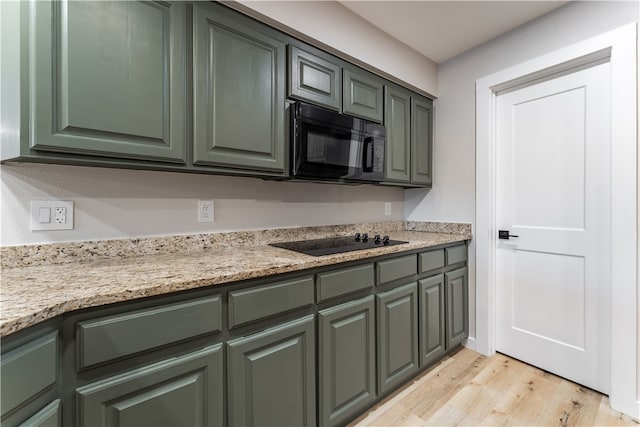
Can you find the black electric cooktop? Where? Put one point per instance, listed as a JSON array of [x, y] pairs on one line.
[[336, 245]]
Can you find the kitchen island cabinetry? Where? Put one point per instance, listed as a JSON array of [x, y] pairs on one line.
[[346, 360], [271, 376]]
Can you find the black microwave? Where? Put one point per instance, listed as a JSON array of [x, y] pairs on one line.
[[327, 145]]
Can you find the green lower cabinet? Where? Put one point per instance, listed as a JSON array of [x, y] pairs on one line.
[[49, 416], [397, 328], [346, 360], [432, 321], [181, 391], [457, 307], [271, 376]]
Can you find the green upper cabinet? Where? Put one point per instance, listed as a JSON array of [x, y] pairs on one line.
[[398, 145], [362, 94], [238, 91], [106, 79], [409, 150], [421, 141], [314, 79]]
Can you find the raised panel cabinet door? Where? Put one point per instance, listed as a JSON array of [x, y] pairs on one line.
[[181, 391], [421, 141], [271, 376], [362, 94], [346, 365], [397, 330], [398, 146], [431, 326], [238, 91], [457, 307], [314, 79], [107, 78], [49, 416]]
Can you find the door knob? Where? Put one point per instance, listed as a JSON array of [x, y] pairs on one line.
[[504, 234]]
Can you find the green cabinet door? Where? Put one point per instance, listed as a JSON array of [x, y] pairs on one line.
[[432, 321], [362, 94], [49, 416], [397, 329], [421, 141], [457, 297], [238, 91], [346, 365], [271, 376], [181, 391], [106, 78], [314, 79], [398, 145]]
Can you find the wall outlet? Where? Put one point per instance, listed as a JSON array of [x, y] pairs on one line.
[[205, 211], [387, 208], [51, 215]]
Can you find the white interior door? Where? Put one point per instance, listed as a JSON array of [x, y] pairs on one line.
[[553, 192]]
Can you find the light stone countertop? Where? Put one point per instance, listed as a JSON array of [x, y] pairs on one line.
[[32, 294]]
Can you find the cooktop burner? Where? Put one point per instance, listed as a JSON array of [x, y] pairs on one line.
[[336, 245]]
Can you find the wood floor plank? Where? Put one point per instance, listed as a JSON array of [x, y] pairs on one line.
[[468, 389]]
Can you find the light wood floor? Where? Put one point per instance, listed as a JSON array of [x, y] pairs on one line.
[[473, 390]]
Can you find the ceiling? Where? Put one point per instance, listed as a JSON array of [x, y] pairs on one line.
[[441, 30]]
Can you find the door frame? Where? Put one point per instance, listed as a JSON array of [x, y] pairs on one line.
[[618, 47]]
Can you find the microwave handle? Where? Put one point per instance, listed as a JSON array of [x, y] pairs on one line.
[[367, 155]]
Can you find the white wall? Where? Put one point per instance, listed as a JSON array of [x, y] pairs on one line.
[[339, 28], [453, 195], [112, 203]]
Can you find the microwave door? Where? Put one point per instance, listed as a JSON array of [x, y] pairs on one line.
[[323, 153]]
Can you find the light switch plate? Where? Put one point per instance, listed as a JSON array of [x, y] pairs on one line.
[[51, 215]]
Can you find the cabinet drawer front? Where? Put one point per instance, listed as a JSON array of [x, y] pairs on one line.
[[28, 370], [396, 268], [430, 260], [258, 303], [344, 281], [113, 337], [456, 254]]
